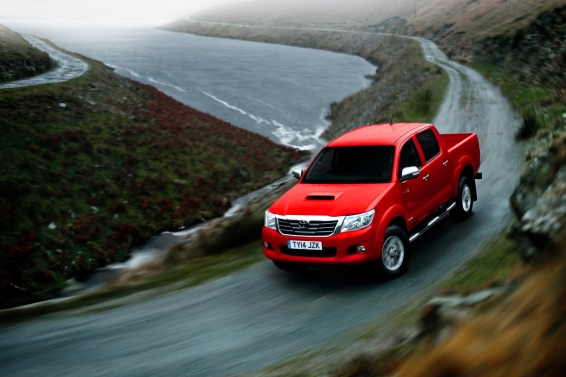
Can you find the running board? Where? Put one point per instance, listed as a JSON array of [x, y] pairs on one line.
[[431, 223]]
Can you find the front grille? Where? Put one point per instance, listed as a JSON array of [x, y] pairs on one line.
[[314, 228], [326, 252]]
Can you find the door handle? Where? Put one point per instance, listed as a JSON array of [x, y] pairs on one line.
[[426, 177], [406, 191], [445, 163]]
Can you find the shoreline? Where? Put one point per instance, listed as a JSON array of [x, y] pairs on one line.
[[402, 74]]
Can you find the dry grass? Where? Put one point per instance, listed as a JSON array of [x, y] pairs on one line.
[[313, 11], [480, 18], [525, 335], [450, 22]]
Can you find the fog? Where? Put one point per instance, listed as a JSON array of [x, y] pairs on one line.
[[105, 9]]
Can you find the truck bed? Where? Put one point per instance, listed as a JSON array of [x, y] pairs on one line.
[[452, 141]]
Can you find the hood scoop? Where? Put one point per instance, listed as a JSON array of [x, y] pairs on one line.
[[317, 196]]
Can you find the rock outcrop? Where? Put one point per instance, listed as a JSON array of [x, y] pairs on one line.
[[539, 202]]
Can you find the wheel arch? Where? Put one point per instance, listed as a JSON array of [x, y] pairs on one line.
[[468, 171], [465, 169], [395, 215], [400, 222]]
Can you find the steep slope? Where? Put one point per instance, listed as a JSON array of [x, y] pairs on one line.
[[454, 24], [18, 59]]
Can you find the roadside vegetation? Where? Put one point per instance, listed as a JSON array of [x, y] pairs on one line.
[[541, 106], [98, 164], [407, 87], [197, 271], [19, 59]]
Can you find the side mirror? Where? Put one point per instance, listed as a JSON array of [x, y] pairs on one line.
[[297, 175], [410, 173]]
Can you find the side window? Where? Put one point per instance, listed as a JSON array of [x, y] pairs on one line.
[[409, 156], [429, 145]]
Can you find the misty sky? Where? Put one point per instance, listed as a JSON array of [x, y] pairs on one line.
[[105, 9]]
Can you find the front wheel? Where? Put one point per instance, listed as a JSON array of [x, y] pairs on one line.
[[395, 252], [464, 200]]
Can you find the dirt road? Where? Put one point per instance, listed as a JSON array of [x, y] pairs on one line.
[[260, 316], [68, 67]]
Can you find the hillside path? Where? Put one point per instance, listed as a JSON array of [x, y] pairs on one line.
[[249, 320], [68, 67]]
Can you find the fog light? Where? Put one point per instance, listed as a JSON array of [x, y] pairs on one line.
[[267, 245], [361, 249]]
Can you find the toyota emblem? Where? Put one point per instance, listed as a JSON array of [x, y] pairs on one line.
[[303, 224]]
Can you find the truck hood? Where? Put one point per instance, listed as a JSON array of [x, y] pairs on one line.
[[327, 200]]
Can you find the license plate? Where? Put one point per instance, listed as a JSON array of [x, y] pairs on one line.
[[304, 245]]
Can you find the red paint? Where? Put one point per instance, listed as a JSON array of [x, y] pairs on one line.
[[389, 199]]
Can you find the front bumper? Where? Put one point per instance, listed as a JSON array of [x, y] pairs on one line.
[[341, 248]]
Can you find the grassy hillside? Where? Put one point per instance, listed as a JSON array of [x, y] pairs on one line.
[[529, 67], [95, 165], [457, 25], [327, 12], [18, 58]]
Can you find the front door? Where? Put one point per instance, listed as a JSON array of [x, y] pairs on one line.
[[412, 190]]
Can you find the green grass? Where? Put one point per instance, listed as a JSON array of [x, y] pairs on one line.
[[424, 104], [497, 258], [189, 274]]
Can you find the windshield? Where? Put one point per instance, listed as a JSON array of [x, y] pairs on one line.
[[372, 164]]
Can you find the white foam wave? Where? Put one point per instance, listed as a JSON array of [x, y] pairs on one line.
[[258, 119], [284, 133], [225, 103], [151, 79], [260, 101], [135, 74]]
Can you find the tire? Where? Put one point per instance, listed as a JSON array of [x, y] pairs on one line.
[[464, 200], [394, 252]]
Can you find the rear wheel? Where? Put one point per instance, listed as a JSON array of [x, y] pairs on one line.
[[464, 200], [395, 252]]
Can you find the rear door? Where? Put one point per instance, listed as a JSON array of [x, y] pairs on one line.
[[435, 172]]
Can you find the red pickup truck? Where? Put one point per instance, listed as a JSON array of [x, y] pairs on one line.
[[371, 192]]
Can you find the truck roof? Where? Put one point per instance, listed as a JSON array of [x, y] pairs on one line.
[[377, 134]]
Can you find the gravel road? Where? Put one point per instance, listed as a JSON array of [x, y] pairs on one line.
[[254, 318], [68, 67]]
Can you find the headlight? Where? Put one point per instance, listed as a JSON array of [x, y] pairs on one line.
[[356, 222], [270, 221]]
